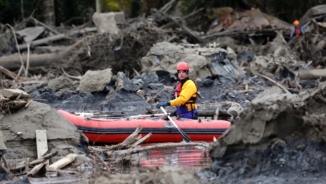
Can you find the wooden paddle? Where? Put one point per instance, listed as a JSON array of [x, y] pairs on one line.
[[183, 134]]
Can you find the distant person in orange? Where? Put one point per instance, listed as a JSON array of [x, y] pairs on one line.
[[296, 30]]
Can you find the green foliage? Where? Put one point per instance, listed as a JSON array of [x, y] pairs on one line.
[[3, 3], [212, 13], [9, 9], [116, 5], [73, 11], [112, 5], [136, 8], [185, 5]]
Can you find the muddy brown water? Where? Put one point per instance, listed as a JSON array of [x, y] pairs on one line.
[[194, 157]]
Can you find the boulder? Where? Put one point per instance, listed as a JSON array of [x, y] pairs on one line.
[[275, 114], [165, 56], [14, 93], [61, 83], [19, 131], [94, 81], [226, 70], [105, 23], [124, 83], [146, 79]]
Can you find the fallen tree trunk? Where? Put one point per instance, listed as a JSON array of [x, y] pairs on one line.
[[311, 74], [56, 37], [209, 112], [13, 62], [212, 109]]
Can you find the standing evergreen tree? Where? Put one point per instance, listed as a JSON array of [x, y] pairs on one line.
[[136, 8], [48, 12]]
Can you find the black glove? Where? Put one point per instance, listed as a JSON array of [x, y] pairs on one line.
[[162, 104]]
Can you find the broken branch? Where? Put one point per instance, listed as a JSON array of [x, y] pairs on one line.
[[35, 169], [274, 82]]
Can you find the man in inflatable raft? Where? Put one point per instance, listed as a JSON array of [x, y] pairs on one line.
[[185, 94]]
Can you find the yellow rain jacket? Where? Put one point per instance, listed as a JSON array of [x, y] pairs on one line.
[[186, 96]]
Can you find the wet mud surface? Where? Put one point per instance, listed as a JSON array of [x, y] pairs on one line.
[[291, 161], [126, 102], [277, 138], [260, 151], [97, 101]]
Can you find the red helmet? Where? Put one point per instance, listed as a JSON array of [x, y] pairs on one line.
[[183, 66]]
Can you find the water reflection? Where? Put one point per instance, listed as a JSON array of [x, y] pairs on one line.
[[181, 156]]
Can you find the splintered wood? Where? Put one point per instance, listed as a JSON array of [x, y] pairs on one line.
[[41, 143], [63, 162]]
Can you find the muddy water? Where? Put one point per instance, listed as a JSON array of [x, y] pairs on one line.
[[193, 157]]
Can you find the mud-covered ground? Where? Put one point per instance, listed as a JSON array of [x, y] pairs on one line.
[[127, 103], [293, 161], [278, 138], [290, 160]]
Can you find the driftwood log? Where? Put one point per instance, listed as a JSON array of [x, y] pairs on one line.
[[132, 140], [36, 169], [57, 37], [311, 74], [185, 29], [15, 94], [213, 110], [63, 162], [37, 161], [13, 62]]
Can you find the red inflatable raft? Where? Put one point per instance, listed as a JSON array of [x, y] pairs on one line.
[[117, 130]]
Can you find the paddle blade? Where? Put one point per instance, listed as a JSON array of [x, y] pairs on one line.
[[184, 136]]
